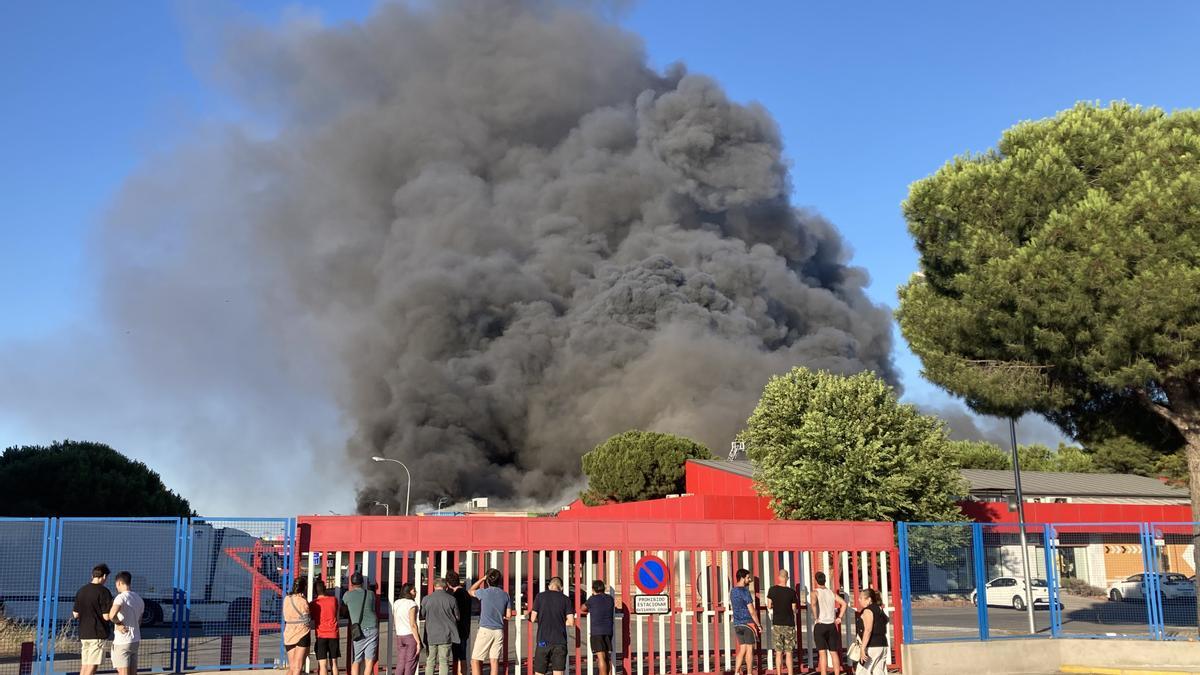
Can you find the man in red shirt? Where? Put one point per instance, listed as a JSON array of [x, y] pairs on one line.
[[324, 611]]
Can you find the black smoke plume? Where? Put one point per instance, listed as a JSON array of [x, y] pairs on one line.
[[510, 236]]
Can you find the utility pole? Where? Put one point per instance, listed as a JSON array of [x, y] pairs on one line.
[[1016, 460]]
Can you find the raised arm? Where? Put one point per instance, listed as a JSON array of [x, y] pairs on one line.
[[476, 586]]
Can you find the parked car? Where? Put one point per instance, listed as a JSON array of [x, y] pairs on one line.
[[1175, 586], [1010, 592]]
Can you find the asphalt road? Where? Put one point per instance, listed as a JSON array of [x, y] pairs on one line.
[[1080, 616]]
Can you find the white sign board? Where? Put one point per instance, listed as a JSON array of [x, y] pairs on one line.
[[651, 604]]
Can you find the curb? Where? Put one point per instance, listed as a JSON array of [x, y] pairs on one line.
[[1107, 670]]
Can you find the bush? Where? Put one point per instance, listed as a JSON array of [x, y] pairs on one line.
[[638, 465], [1082, 588]]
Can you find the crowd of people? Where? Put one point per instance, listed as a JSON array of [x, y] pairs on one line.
[[440, 625]]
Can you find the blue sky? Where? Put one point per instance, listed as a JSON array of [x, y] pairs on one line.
[[870, 97]]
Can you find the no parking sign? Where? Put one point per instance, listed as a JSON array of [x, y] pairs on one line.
[[651, 574]]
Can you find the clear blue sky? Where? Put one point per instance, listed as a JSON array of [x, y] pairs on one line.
[[870, 97]]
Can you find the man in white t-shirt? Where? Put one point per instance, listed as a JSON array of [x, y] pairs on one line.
[[126, 616]]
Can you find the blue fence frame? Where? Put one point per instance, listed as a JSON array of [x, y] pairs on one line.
[[50, 584], [1149, 537]]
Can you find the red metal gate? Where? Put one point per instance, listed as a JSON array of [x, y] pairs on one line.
[[694, 637]]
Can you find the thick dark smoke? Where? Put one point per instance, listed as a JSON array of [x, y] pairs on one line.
[[512, 238]]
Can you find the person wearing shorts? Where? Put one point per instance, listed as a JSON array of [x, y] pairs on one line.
[[458, 650], [92, 604], [552, 613], [297, 626], [601, 609], [494, 607], [827, 630], [324, 612], [781, 601], [358, 604], [126, 615], [745, 621]]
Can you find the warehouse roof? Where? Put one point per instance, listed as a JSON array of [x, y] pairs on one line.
[[1033, 483], [1038, 483]]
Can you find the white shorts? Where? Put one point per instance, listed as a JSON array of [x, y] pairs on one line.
[[91, 652], [125, 655], [488, 644]]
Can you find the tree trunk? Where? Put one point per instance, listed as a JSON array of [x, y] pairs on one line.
[[1184, 413]]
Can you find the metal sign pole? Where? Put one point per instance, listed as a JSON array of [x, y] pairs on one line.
[[1016, 460]]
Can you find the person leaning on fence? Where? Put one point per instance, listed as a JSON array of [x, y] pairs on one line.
[[552, 612], [494, 608], [871, 626], [601, 609], [324, 612], [92, 603], [408, 636], [781, 600], [358, 605], [297, 626], [745, 621], [126, 616], [827, 629], [440, 611], [458, 650]]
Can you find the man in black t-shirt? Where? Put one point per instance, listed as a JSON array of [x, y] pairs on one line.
[[92, 602], [458, 650], [552, 612], [781, 600]]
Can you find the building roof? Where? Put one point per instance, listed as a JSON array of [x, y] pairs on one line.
[[1047, 483], [1033, 483], [739, 467]]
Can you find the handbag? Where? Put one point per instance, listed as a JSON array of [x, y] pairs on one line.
[[854, 653], [356, 632], [305, 618]]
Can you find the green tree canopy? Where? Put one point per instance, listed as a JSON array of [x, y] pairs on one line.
[[638, 465], [1061, 275], [74, 478], [984, 455], [830, 447]]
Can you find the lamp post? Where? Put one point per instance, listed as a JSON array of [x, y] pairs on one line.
[[387, 510], [1016, 460], [408, 492]]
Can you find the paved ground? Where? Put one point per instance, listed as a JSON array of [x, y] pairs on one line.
[[1080, 616]]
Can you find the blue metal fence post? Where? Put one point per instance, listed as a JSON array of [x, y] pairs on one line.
[[56, 582], [906, 628], [1050, 538], [977, 552], [44, 632], [1152, 586], [186, 581], [177, 625]]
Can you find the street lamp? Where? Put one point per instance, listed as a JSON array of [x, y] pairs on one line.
[[408, 493], [440, 501], [1016, 460], [387, 510]]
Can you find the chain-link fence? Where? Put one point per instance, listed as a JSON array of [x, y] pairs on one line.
[[980, 581], [210, 591], [25, 543]]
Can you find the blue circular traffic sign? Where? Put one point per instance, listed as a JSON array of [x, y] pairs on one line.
[[650, 574]]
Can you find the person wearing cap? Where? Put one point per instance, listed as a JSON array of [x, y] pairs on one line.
[[358, 605]]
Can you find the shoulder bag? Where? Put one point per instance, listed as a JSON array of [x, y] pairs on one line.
[[305, 618], [356, 632]]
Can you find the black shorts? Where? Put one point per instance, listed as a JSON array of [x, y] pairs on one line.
[[602, 643], [826, 637], [745, 635], [305, 642], [328, 648], [550, 658]]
